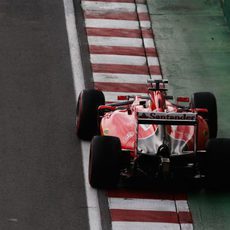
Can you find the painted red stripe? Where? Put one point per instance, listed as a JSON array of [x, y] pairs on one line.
[[132, 16], [109, 32], [147, 33], [112, 15], [151, 52], [185, 218], [143, 16], [141, 1], [143, 216], [119, 50], [139, 194], [181, 196], [129, 33], [114, 68], [121, 87], [155, 70], [123, 1]]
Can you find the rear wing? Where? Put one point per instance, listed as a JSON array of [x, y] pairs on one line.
[[167, 118]]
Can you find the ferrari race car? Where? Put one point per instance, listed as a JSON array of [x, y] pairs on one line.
[[151, 135]]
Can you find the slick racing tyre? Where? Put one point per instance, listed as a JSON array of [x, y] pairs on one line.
[[87, 113], [208, 101], [217, 161], [104, 162]]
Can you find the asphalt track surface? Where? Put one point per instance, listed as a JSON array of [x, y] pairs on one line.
[[41, 179]]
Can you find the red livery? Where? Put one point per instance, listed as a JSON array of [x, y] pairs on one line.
[[150, 134]]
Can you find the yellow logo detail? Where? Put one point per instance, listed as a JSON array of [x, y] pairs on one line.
[[106, 131]]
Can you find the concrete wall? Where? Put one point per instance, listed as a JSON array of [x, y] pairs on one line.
[[226, 7]]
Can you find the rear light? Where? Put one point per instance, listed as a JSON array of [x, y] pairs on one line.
[[122, 98], [183, 99], [201, 110]]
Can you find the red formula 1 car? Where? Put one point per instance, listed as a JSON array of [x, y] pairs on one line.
[[151, 135]]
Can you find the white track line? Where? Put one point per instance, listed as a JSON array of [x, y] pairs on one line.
[[142, 204], [123, 225], [91, 194], [74, 47], [109, 6], [112, 24]]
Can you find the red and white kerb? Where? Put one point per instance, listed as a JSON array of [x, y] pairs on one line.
[[147, 210], [121, 44]]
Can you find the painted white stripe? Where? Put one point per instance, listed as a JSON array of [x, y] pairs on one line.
[[109, 6], [112, 96], [113, 24], [78, 77], [149, 43], [121, 78], [142, 8], [120, 59], [186, 227], [156, 77], [182, 206], [116, 41], [142, 204], [117, 225], [145, 24], [153, 61]]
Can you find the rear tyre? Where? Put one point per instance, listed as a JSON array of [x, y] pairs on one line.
[[208, 101], [104, 162], [87, 113], [217, 163]]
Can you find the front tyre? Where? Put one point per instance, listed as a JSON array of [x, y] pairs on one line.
[[87, 113], [104, 162]]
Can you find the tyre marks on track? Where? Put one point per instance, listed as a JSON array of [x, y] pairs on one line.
[[123, 56]]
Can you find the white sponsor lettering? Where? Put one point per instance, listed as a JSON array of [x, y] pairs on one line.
[[167, 116]]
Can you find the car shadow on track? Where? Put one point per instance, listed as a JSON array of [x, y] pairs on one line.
[[180, 185]]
